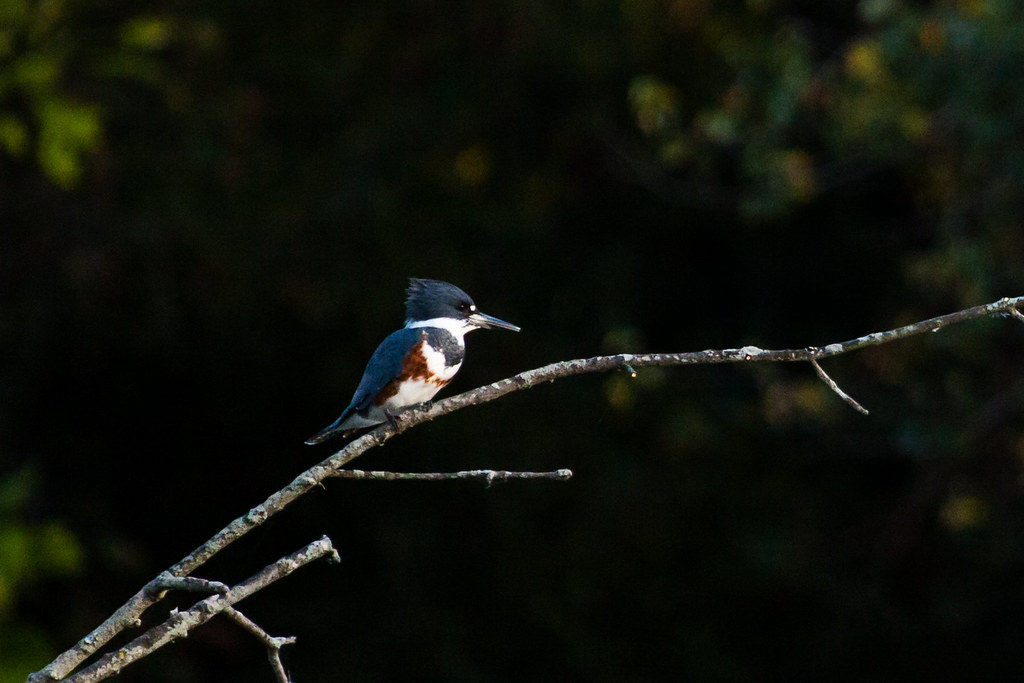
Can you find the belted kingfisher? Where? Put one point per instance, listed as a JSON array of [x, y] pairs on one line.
[[414, 363]]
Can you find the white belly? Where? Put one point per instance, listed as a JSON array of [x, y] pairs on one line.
[[413, 392], [418, 390]]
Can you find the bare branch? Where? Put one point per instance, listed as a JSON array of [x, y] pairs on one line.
[[835, 387], [272, 643], [129, 613], [488, 476], [179, 624]]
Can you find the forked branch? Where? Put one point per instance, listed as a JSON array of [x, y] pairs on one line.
[[179, 624]]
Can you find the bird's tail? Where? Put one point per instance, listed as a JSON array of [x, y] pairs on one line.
[[335, 428]]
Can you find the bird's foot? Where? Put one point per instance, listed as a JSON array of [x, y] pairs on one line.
[[395, 418], [392, 418]]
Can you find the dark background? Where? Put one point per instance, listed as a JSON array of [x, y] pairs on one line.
[[208, 214]]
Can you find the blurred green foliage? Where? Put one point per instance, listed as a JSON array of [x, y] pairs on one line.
[[30, 553], [207, 217], [38, 115], [925, 87]]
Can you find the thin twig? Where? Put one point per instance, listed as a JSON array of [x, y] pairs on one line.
[[129, 613], [272, 643], [835, 387], [488, 476], [179, 624]]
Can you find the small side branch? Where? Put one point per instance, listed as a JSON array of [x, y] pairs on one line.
[[487, 476], [272, 643], [835, 387]]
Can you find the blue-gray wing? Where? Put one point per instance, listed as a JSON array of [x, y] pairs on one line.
[[385, 365]]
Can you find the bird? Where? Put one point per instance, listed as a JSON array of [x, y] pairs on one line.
[[412, 364]]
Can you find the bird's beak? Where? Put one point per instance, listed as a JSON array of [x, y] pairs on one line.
[[483, 320]]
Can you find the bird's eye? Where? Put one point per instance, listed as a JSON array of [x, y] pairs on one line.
[[464, 307]]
